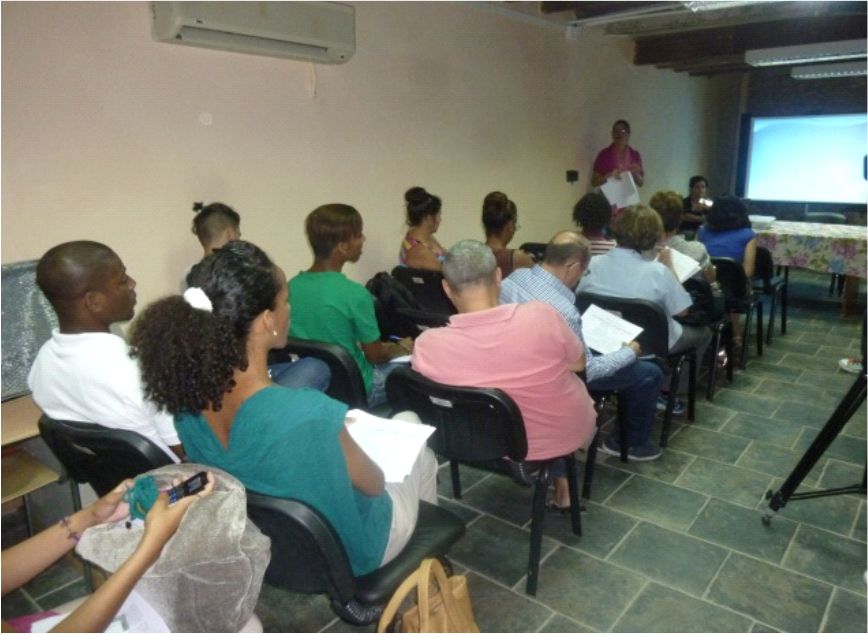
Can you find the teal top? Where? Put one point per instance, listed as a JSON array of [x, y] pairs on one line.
[[284, 443], [328, 307]]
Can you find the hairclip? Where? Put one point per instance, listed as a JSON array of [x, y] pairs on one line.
[[197, 298]]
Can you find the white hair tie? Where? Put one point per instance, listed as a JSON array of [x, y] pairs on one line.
[[197, 298]]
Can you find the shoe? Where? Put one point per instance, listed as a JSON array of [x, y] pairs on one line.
[[551, 507], [678, 410], [644, 453], [610, 446], [722, 359], [850, 365]]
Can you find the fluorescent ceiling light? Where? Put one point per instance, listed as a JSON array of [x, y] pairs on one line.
[[827, 71], [822, 52]]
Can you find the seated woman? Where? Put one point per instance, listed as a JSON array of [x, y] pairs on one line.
[[420, 249], [727, 234], [695, 206], [500, 220], [592, 214], [625, 272], [668, 205], [204, 359], [25, 560]]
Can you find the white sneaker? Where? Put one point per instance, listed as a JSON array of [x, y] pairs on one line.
[[850, 365]]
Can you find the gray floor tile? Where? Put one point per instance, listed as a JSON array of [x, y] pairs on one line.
[[602, 529], [742, 529], [566, 586], [762, 627], [837, 382], [788, 344], [727, 482], [798, 361], [769, 430], [843, 447], [59, 574], [810, 394], [709, 444], [803, 414], [75, 590], [859, 528], [465, 513], [747, 403], [846, 613], [767, 458], [840, 474], [835, 513], [746, 382], [828, 557], [659, 609], [560, 623], [500, 496], [284, 611], [468, 476], [658, 502], [17, 604], [666, 468], [857, 425], [766, 369], [497, 609], [606, 480], [712, 416], [782, 599], [496, 549], [672, 558]]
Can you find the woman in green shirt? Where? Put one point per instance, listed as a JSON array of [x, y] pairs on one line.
[[204, 358]]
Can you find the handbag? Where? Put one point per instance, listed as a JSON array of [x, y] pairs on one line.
[[442, 603]]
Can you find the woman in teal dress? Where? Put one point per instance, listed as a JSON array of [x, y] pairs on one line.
[[204, 358]]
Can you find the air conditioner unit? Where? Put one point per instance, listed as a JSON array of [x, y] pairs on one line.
[[321, 32]]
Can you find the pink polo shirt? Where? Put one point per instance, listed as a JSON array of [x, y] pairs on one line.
[[525, 350]]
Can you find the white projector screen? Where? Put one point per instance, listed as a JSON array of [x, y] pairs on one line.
[[808, 159]]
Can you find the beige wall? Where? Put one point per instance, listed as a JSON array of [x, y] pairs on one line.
[[111, 136]]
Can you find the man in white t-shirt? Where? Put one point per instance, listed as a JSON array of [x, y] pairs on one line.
[[84, 372]]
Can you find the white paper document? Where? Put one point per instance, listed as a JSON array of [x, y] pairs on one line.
[[605, 332], [684, 265], [622, 191], [135, 615], [393, 444]]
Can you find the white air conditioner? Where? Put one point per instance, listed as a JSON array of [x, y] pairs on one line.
[[323, 32]]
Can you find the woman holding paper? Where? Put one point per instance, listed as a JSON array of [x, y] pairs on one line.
[[618, 158], [204, 358]]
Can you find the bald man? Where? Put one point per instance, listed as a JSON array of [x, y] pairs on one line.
[[637, 382], [84, 372]]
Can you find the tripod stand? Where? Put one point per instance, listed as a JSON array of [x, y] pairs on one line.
[[845, 410]]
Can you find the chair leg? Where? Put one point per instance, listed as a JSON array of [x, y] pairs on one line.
[[536, 529], [730, 350], [573, 486], [745, 335], [759, 329], [590, 461], [784, 293], [456, 480], [691, 386], [28, 518], [622, 430], [712, 368], [670, 403], [772, 307]]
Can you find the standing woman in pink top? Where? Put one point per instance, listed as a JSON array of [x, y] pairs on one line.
[[420, 249], [618, 158]]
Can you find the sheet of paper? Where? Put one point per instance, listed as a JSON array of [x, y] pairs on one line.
[[684, 265], [135, 615], [404, 359], [605, 332], [622, 191], [393, 444]]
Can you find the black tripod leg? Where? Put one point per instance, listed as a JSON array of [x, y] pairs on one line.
[[842, 414]]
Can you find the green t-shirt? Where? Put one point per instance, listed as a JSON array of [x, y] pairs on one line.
[[284, 442], [329, 307]]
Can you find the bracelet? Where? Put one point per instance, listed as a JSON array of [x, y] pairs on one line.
[[70, 534]]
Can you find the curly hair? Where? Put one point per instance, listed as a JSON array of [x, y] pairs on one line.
[[727, 213], [188, 356], [637, 227], [420, 205], [497, 212], [592, 213], [670, 206]]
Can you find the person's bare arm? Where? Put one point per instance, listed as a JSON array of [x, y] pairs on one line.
[[365, 475], [421, 257], [638, 175], [709, 273], [750, 258], [162, 521], [384, 351], [522, 259], [178, 450]]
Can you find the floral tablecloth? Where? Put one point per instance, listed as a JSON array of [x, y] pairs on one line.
[[819, 247]]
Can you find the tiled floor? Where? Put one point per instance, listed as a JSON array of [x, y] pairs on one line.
[[676, 544]]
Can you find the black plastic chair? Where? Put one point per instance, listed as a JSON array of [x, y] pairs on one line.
[[427, 288], [537, 250], [307, 555], [654, 340], [98, 455], [739, 299], [600, 400], [775, 286], [418, 321], [346, 385], [481, 427]]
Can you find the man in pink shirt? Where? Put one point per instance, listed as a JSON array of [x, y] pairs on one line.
[[527, 350]]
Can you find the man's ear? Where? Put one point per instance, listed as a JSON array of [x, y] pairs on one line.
[[447, 290], [498, 276], [94, 301]]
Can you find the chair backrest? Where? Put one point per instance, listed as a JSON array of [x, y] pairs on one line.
[[418, 321], [825, 217], [306, 554], [346, 385], [537, 250], [731, 277], [100, 456], [427, 288], [473, 424], [654, 337], [390, 295], [764, 268], [27, 321]]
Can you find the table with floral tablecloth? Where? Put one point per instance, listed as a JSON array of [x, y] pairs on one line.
[[819, 247]]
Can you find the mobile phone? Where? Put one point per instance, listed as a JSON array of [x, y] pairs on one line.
[[191, 486]]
